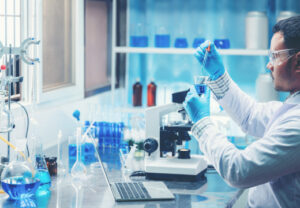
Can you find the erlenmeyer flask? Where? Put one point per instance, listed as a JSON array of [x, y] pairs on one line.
[[41, 168]]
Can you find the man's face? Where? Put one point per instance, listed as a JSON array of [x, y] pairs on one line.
[[281, 73]]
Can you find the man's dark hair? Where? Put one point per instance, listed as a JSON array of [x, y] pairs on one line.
[[290, 29]]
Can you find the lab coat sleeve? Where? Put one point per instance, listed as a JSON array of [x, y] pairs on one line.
[[251, 116], [275, 155]]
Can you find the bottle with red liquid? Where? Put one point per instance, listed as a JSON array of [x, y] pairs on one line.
[[137, 93], [151, 94]]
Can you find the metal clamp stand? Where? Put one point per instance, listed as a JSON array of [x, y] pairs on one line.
[[10, 79]]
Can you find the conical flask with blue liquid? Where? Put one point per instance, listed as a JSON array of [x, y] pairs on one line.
[[42, 172]]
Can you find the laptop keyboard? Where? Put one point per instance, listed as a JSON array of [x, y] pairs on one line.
[[134, 190]]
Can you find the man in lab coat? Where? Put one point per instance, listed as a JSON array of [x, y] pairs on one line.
[[270, 166]]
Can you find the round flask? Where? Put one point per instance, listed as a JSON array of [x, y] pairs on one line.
[[18, 180]]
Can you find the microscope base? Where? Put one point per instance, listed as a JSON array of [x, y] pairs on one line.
[[172, 168], [176, 177]]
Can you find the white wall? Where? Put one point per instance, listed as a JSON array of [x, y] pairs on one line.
[[47, 120]]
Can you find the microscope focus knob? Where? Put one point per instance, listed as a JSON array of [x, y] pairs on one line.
[[150, 145]]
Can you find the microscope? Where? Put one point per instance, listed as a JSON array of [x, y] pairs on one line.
[[162, 161]]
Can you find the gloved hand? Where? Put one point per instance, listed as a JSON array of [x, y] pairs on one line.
[[214, 64], [196, 107]]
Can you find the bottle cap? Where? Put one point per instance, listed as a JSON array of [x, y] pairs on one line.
[[3, 67]]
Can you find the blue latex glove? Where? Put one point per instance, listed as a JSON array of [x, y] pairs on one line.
[[214, 64], [196, 107]]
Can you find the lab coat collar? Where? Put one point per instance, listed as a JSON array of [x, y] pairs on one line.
[[294, 98]]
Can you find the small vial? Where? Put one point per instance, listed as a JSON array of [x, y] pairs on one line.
[[137, 93], [151, 94]]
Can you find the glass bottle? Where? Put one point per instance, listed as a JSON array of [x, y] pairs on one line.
[[151, 94], [137, 93]]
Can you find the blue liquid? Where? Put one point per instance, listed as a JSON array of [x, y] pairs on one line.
[[162, 41], [87, 156], [222, 43], [181, 43], [45, 180], [203, 91], [20, 187], [72, 150], [197, 42], [139, 41], [200, 89]]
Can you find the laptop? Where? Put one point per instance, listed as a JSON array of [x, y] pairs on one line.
[[137, 191]]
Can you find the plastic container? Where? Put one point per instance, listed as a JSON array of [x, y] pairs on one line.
[[285, 14], [256, 30], [265, 88], [151, 94], [137, 93]]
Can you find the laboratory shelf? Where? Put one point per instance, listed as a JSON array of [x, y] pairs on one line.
[[148, 50]]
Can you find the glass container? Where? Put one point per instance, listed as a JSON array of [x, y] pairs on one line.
[[18, 180]]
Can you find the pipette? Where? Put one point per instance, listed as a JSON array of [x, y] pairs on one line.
[[207, 50]]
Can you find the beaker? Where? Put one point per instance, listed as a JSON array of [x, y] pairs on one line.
[[162, 38], [139, 37], [201, 87]]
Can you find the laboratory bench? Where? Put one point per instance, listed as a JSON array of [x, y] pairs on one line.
[[95, 192]]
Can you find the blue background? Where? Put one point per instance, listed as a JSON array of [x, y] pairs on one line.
[[209, 19]]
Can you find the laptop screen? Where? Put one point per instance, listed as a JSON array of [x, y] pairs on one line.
[[111, 162]]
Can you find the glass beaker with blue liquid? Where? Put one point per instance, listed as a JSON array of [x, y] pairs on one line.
[[201, 88]]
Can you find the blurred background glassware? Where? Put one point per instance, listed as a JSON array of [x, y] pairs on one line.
[[181, 42], [285, 14], [197, 42], [72, 150], [139, 37], [18, 179], [162, 38], [6, 117], [151, 93], [222, 43], [256, 30], [137, 96]]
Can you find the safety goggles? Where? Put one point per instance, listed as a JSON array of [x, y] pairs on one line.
[[281, 56]]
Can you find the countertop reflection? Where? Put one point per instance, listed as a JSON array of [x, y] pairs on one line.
[[94, 191]]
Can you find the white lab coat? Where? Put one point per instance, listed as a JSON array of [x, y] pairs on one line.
[[270, 165]]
